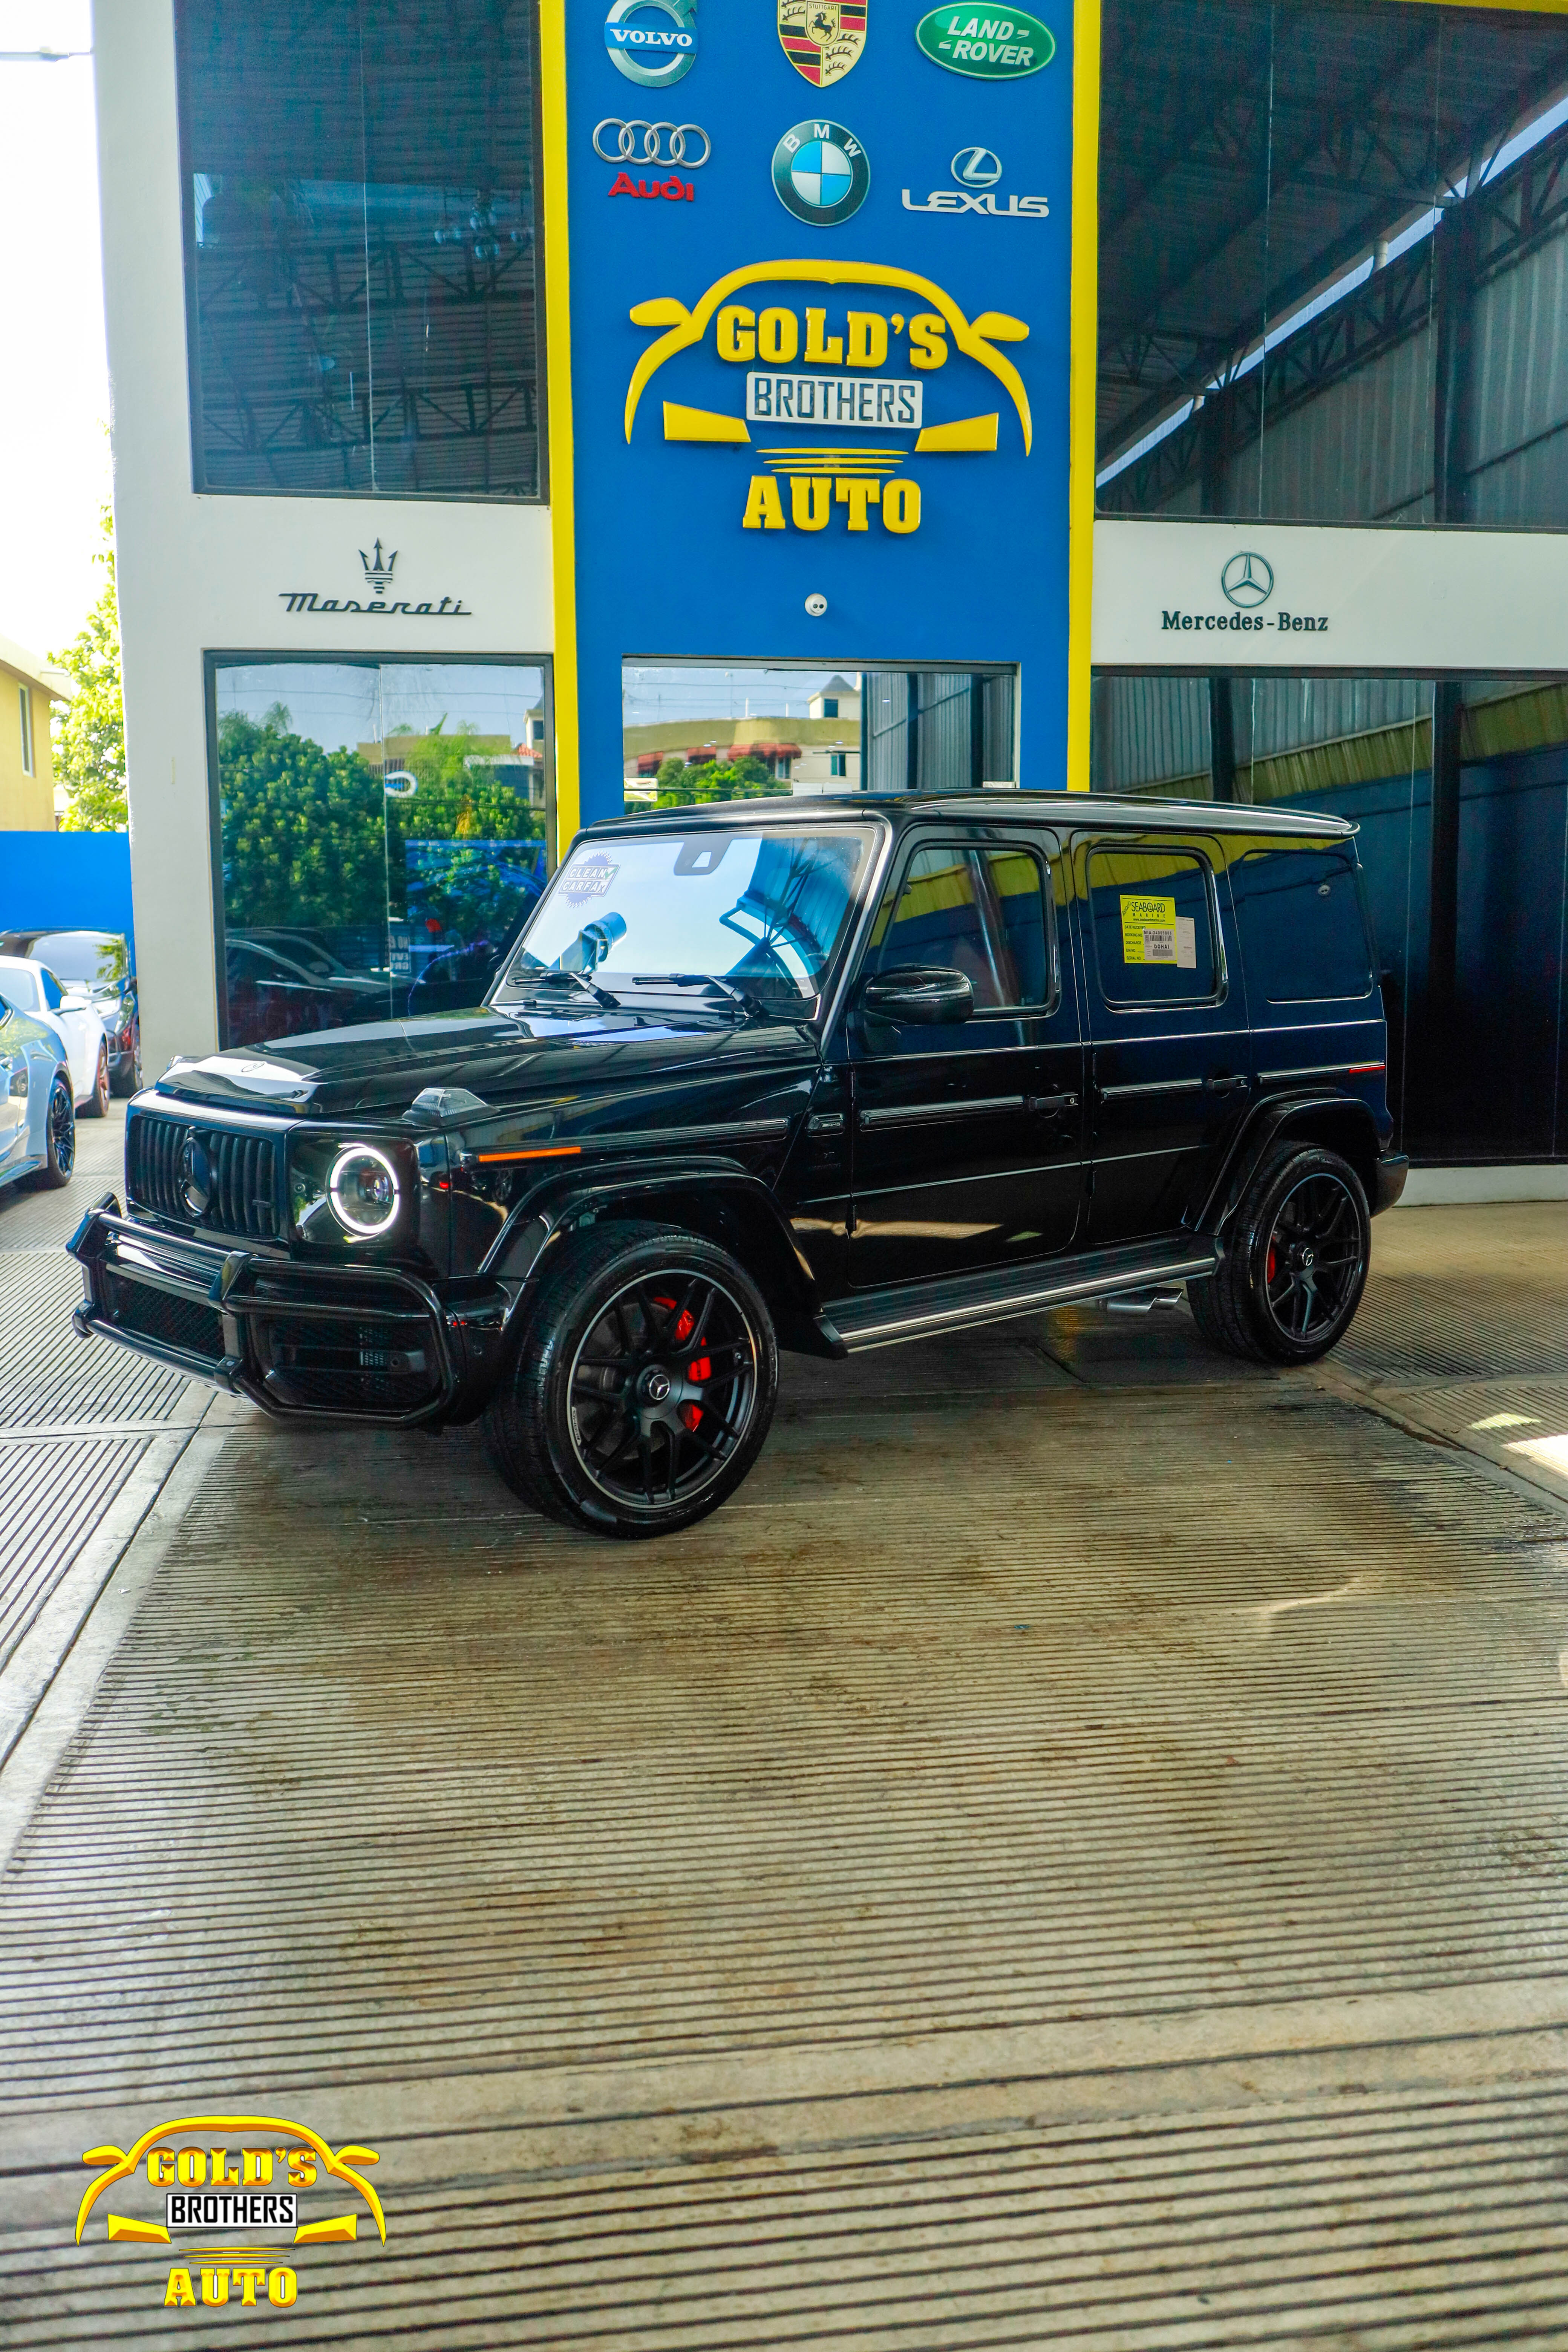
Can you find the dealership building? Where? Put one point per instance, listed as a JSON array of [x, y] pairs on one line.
[[1155, 397]]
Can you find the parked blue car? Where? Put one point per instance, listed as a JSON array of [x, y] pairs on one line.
[[37, 1109]]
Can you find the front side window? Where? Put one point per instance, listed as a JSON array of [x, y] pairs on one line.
[[766, 909], [54, 994], [1154, 927], [361, 261], [980, 911]]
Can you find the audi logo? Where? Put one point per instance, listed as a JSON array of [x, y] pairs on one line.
[[653, 137]]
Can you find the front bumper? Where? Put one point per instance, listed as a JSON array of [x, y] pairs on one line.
[[369, 1344]]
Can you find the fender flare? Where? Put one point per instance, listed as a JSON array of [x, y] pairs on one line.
[[712, 1195], [1317, 1114]]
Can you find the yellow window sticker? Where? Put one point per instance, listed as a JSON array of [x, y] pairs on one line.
[[1152, 932]]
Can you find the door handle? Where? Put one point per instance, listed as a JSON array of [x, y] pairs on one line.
[[1227, 1086], [1050, 1105]]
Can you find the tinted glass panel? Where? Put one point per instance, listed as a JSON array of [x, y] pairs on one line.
[[383, 837], [1154, 936], [978, 911], [360, 245], [1303, 935], [1333, 249]]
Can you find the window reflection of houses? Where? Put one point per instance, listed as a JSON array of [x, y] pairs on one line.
[[819, 753]]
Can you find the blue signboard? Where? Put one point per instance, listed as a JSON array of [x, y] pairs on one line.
[[820, 256]]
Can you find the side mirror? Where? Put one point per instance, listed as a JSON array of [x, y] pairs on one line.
[[929, 994]]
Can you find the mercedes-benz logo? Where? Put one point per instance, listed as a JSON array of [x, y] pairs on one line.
[[976, 167], [623, 137], [195, 1177], [1249, 581]]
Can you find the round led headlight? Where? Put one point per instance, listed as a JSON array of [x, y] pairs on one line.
[[364, 1190]]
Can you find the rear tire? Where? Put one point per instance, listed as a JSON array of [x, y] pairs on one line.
[[97, 1103], [644, 1386], [59, 1136], [127, 1080], [1295, 1261]]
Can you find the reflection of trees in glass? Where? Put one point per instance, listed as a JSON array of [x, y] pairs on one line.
[[468, 890], [301, 829], [745, 779], [310, 837]]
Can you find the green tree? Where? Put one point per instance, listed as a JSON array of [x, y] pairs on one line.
[[453, 801], [745, 779], [89, 731], [302, 831]]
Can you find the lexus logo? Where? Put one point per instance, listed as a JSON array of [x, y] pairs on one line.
[[1247, 581], [976, 167], [195, 1177], [615, 141]]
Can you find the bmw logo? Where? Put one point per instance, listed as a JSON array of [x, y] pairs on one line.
[[820, 173], [1247, 581]]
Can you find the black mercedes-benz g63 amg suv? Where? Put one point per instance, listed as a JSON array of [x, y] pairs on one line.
[[826, 1075]]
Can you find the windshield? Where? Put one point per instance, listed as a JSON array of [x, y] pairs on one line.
[[86, 958], [764, 910]]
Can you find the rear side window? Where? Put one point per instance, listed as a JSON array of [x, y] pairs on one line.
[[1303, 936], [978, 911], [1154, 927]]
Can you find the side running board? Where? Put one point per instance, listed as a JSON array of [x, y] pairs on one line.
[[884, 1318]]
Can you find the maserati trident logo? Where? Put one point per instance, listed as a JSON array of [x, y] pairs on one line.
[[378, 569], [1248, 581]]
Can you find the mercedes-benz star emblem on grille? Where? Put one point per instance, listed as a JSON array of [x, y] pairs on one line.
[[195, 1177], [660, 142], [976, 167], [1247, 581]]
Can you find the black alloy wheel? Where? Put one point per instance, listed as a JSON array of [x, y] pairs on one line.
[[59, 1135], [644, 1386], [97, 1103], [1295, 1261]]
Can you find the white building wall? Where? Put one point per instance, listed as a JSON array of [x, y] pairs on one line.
[[199, 574]]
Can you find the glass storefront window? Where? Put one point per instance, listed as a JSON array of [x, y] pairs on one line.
[[362, 268], [382, 836], [1459, 792], [1333, 248]]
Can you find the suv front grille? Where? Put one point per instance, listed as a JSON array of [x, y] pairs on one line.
[[242, 1170]]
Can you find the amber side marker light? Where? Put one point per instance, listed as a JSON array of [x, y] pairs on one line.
[[550, 1151]]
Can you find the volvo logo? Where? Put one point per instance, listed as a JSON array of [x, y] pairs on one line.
[[976, 167], [195, 1177], [649, 142], [1247, 581], [654, 53]]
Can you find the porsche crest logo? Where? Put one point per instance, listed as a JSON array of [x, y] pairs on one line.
[[822, 38]]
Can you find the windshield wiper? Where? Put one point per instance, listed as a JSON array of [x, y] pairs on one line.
[[742, 997], [543, 982]]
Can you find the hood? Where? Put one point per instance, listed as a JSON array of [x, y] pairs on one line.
[[376, 1068]]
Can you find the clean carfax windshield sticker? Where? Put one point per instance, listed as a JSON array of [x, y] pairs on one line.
[[252, 2190], [1152, 932], [652, 41], [822, 38], [992, 47], [588, 877]]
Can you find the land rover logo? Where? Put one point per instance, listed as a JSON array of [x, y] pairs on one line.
[[1247, 581], [195, 1177]]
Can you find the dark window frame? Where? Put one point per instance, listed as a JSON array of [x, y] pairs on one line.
[[1006, 845], [200, 488]]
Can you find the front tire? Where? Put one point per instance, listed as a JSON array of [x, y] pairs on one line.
[[644, 1387], [97, 1103], [1295, 1263], [60, 1136]]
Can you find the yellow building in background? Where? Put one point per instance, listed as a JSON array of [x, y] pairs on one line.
[[27, 687]]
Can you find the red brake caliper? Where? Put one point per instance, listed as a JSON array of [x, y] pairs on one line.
[[1270, 1276], [701, 1370]]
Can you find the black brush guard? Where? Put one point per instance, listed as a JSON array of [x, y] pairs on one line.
[[366, 1344]]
